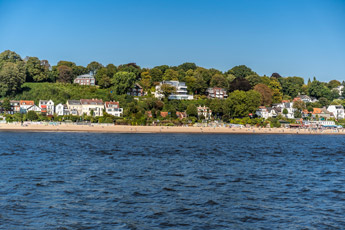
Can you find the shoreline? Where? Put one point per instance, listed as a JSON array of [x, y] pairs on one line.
[[99, 128]]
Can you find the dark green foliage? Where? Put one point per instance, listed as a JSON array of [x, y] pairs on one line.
[[241, 71], [32, 116], [240, 84], [60, 93], [192, 110], [12, 76], [122, 82]]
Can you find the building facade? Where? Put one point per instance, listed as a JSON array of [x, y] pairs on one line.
[[113, 108], [216, 92], [86, 79], [181, 92]]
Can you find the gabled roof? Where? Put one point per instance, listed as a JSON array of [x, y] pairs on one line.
[[24, 102], [109, 103], [73, 102], [91, 101]]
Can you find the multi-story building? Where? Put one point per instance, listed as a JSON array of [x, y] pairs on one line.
[[181, 92], [337, 110], [113, 108], [74, 107], [86, 79], [24, 105], [47, 105], [136, 91], [92, 107], [61, 109], [205, 112], [216, 92]]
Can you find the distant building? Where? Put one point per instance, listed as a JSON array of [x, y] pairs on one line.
[[61, 109], [285, 105], [34, 108], [180, 94], [136, 91], [113, 108], [86, 79], [95, 105], [339, 89], [321, 113], [205, 112], [267, 112], [74, 107], [24, 105], [305, 99], [216, 92], [15, 107], [48, 106], [337, 110]]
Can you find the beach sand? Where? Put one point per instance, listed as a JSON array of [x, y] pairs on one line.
[[155, 129]]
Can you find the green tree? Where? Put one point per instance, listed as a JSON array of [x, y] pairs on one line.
[[292, 85], [36, 70], [32, 116], [6, 104], [299, 105], [123, 81], [285, 112], [170, 74], [156, 75], [277, 95], [241, 71], [192, 110], [266, 94], [333, 84], [167, 90], [253, 79], [12, 76], [187, 66], [241, 103], [65, 74], [218, 80], [9, 56], [93, 67]]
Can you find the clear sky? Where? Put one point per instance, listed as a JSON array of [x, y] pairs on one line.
[[303, 38]]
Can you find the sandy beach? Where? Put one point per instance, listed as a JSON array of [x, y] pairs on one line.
[[106, 128]]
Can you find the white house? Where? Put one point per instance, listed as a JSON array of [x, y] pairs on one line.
[[95, 105], [74, 107], [305, 98], [204, 111], [266, 112], [339, 89], [337, 110], [47, 105], [34, 108], [61, 109], [113, 108], [180, 94], [288, 106]]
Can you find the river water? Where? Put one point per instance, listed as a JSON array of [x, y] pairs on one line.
[[171, 181]]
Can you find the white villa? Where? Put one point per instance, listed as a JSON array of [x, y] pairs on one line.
[[47, 105], [113, 108], [204, 111], [337, 110], [266, 112], [181, 91], [95, 105], [86, 79]]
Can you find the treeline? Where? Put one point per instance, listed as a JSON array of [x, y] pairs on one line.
[[32, 78]]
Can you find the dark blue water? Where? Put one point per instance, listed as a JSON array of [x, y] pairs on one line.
[[171, 181]]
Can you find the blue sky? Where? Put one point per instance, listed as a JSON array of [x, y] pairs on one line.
[[293, 37]]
